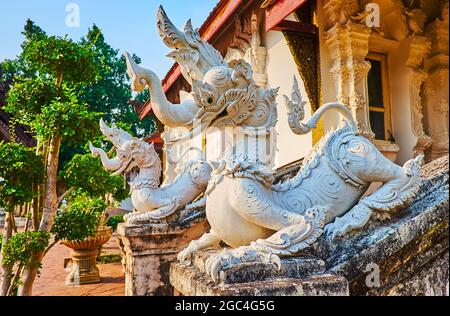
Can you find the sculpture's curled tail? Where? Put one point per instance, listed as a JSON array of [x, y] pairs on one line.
[[296, 112]]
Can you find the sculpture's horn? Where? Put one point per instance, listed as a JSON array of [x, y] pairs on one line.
[[114, 134], [188, 26], [171, 36], [106, 131]]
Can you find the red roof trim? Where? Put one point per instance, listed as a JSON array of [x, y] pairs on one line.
[[155, 138], [279, 11], [172, 76], [146, 110]]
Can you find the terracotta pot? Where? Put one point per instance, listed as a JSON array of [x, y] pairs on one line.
[[84, 257]]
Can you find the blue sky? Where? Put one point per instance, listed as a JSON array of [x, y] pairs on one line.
[[127, 25]]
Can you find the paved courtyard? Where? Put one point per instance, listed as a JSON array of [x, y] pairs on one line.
[[53, 274]]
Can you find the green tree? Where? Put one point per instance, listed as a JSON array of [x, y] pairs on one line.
[[20, 171], [111, 94], [59, 89], [86, 175], [46, 99]]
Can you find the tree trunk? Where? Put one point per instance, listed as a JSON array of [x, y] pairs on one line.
[[13, 224], [51, 195], [14, 281], [48, 214], [6, 268], [35, 209], [29, 275], [37, 190]]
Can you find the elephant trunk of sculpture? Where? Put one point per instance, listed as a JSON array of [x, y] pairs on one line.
[[113, 164], [170, 115]]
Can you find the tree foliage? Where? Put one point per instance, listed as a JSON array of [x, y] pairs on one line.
[[60, 88], [60, 56], [20, 169], [111, 94], [22, 246], [45, 97], [88, 175], [80, 219], [114, 221], [48, 110]]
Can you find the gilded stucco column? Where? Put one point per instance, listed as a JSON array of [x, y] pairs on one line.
[[349, 46], [358, 49], [335, 39], [418, 50], [436, 86]]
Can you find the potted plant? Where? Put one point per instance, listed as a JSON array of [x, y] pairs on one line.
[[80, 225]]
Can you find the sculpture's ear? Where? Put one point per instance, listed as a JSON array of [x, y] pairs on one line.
[[241, 69], [134, 145]]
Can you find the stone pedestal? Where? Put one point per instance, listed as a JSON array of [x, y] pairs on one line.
[[299, 276], [84, 268], [149, 249], [84, 257]]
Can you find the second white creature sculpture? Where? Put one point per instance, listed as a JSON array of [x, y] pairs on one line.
[[260, 220], [149, 199]]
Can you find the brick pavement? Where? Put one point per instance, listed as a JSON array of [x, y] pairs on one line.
[[53, 274]]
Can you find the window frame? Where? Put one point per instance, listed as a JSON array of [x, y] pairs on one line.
[[383, 59]]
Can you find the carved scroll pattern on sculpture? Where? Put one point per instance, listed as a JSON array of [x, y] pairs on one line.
[[293, 239]]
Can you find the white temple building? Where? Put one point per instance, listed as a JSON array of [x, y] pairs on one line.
[[386, 60]]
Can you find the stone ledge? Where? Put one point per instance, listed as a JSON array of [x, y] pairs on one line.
[[296, 267], [189, 281], [148, 250], [156, 237]]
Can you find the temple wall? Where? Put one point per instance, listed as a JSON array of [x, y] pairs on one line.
[[281, 69], [416, 99]]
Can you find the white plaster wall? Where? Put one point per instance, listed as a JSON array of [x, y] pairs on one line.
[[182, 153], [281, 69], [401, 103]]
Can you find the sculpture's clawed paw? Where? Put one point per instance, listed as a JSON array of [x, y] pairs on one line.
[[337, 230], [185, 256], [356, 218], [228, 258]]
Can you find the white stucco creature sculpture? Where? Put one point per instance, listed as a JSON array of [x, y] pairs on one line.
[[150, 200], [258, 219]]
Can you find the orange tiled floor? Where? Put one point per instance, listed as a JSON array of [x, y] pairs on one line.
[[52, 279]]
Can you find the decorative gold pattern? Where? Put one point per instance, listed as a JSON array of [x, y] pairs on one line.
[[305, 50]]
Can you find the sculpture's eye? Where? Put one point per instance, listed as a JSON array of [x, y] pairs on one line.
[[210, 100]]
